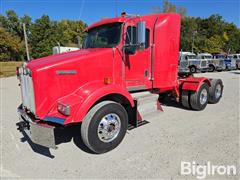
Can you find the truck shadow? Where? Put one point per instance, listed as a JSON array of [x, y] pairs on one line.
[[234, 72], [63, 135], [35, 147], [171, 102], [69, 133]]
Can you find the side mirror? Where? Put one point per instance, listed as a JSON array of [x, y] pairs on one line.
[[141, 34], [130, 50]]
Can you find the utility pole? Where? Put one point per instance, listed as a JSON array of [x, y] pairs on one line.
[[25, 39], [194, 32]]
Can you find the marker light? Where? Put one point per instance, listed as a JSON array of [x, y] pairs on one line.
[[17, 72], [107, 80], [123, 14]]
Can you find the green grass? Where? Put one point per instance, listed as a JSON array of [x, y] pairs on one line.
[[9, 68]]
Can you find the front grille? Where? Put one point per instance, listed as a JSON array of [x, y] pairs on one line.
[[27, 89], [233, 62], [221, 63], [183, 64], [203, 63]]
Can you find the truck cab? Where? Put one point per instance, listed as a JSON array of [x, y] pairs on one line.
[[205, 59], [188, 62], [125, 64], [218, 62], [235, 57], [231, 62]]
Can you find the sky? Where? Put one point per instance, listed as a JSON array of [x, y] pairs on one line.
[[90, 11]]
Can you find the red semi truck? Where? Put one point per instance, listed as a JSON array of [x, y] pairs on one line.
[[102, 86]]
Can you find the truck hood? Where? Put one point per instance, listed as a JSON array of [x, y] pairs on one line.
[[64, 58]]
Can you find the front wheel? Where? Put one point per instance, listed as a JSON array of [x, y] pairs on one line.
[[104, 126], [193, 69], [211, 68]]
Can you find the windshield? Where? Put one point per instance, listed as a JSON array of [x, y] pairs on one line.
[[105, 36], [207, 57], [220, 56], [191, 56]]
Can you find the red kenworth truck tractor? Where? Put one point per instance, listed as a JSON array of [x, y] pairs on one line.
[[112, 84]]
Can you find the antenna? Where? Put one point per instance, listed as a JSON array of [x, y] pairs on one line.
[[26, 42]]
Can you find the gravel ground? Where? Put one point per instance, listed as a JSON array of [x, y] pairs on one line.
[[154, 150]]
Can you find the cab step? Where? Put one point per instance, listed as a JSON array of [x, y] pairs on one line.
[[146, 106]]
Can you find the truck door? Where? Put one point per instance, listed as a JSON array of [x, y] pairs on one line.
[[138, 64]]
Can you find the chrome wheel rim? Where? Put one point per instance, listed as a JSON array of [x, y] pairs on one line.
[[109, 127], [203, 96], [192, 69], [218, 91]]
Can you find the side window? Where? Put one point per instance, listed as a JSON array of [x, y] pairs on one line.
[[132, 34], [147, 38]]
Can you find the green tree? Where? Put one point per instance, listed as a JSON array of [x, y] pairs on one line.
[[168, 7], [213, 45], [45, 34], [43, 37], [69, 31], [9, 46]]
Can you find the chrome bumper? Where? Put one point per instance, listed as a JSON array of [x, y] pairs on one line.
[[39, 134]]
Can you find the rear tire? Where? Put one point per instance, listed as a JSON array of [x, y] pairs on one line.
[[185, 99], [104, 126], [215, 91], [199, 99]]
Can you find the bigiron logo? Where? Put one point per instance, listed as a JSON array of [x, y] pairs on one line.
[[202, 171]]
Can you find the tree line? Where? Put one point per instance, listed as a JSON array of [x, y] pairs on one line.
[[43, 34], [212, 34]]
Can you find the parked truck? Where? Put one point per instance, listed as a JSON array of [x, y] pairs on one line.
[[204, 59], [188, 62], [230, 62], [211, 64], [125, 61], [235, 58], [217, 63]]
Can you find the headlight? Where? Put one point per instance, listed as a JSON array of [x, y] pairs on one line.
[[63, 108]]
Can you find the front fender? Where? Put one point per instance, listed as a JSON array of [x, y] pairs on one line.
[[81, 100], [91, 93]]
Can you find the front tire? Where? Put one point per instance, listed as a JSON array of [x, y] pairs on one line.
[[199, 99], [104, 126], [211, 68], [193, 69]]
